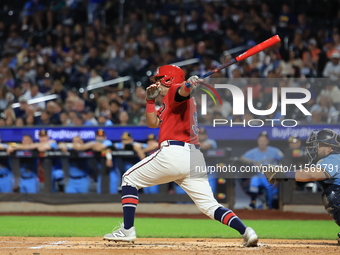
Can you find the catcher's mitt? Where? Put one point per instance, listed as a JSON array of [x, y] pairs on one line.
[[274, 173]]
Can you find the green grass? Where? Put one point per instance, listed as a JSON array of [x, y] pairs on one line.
[[154, 227]]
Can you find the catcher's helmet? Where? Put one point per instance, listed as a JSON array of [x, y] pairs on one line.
[[169, 75], [325, 136]]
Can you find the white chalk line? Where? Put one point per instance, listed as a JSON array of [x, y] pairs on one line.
[[47, 245]]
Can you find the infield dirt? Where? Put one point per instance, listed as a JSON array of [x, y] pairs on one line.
[[77, 245]]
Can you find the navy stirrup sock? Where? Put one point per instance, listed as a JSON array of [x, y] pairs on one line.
[[129, 203], [228, 217]]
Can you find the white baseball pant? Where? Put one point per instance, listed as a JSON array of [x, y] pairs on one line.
[[175, 163]]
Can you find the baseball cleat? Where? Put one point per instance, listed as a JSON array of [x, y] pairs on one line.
[[338, 239], [250, 238], [120, 234]]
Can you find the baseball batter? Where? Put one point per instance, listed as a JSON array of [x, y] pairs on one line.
[[179, 149]]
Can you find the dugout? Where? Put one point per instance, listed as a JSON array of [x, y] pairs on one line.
[[232, 143]]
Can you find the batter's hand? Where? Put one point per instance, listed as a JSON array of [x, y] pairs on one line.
[[152, 91], [194, 81]]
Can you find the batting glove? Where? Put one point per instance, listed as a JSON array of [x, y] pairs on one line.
[[152, 92], [194, 81]]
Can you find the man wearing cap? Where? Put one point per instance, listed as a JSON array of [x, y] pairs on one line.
[[6, 177], [44, 144], [102, 144], [79, 181], [29, 181], [127, 143], [314, 50], [332, 68], [263, 154], [151, 145], [104, 120]]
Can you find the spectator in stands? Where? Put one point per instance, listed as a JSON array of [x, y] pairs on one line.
[[30, 120], [94, 8], [123, 118], [33, 93], [4, 98], [287, 21], [33, 13], [68, 51], [47, 84], [93, 61], [323, 111], [135, 112], [19, 122], [64, 118], [115, 110], [58, 88], [54, 111], [314, 51], [332, 91], [104, 120], [332, 68], [44, 119], [14, 43], [309, 66], [336, 39], [329, 47], [94, 77], [7, 79], [304, 25]]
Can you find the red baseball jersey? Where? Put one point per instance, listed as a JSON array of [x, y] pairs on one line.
[[178, 119]]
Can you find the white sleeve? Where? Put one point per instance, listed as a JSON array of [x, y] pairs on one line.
[[327, 69]]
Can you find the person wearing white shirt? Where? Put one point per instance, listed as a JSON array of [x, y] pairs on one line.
[[332, 68], [323, 111], [34, 93], [95, 77]]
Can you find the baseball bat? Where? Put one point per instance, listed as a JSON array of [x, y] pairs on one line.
[[252, 51]]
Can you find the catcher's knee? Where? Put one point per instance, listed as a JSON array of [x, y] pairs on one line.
[[331, 201]]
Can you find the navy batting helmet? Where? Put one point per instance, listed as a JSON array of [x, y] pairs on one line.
[[323, 137]]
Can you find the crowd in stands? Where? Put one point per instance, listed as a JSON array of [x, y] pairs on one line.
[[62, 47]]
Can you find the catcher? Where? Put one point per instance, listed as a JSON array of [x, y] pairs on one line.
[[323, 153]]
